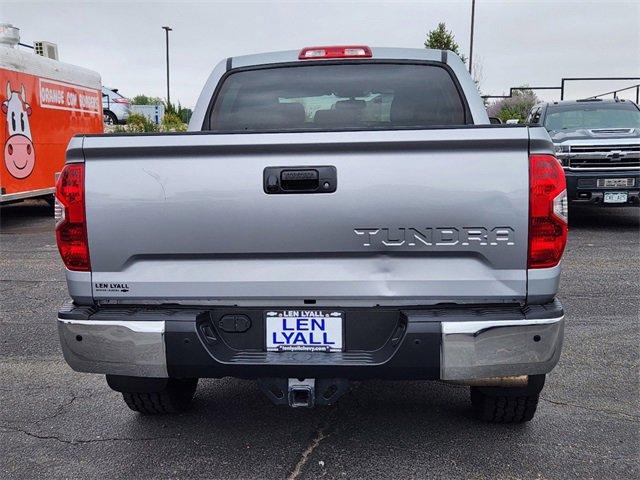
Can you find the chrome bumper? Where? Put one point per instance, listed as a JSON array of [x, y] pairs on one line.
[[485, 349], [115, 347], [469, 349]]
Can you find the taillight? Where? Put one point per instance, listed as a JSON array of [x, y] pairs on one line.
[[71, 221], [339, 51], [121, 100], [547, 211]]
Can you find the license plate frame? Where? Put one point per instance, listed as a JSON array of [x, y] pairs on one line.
[[300, 330], [616, 197], [616, 182]]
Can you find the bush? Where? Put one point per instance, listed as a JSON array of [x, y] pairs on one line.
[[517, 106], [139, 123], [171, 122]]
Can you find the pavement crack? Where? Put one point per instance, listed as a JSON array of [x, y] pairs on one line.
[[60, 410], [304, 458], [82, 441], [321, 434], [627, 416]]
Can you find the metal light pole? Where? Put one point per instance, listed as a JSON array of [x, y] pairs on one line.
[[473, 14], [167, 30]]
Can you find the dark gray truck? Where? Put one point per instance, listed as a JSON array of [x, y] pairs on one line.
[[333, 214], [598, 143]]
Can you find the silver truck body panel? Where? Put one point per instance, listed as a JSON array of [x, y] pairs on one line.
[[185, 218]]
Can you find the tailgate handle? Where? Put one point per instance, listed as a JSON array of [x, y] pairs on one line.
[[292, 180], [299, 179]]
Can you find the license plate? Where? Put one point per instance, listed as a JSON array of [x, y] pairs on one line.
[[616, 182], [304, 330], [614, 197]]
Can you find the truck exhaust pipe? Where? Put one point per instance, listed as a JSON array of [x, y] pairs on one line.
[[508, 382]]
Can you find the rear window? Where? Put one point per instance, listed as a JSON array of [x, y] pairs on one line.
[[337, 97]]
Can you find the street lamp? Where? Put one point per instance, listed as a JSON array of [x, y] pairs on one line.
[[167, 30]]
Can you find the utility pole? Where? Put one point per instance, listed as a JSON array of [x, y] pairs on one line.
[[473, 14], [167, 30]]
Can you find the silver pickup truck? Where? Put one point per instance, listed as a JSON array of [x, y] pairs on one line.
[[333, 214]]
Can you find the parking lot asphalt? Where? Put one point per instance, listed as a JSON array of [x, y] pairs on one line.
[[55, 423]]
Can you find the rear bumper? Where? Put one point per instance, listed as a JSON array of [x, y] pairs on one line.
[[439, 343], [582, 187]]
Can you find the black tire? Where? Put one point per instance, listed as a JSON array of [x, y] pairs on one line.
[[507, 405], [174, 398], [109, 118]]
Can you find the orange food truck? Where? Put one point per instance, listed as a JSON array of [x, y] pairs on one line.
[[43, 103]]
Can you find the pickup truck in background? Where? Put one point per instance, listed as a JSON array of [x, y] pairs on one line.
[[598, 143], [333, 214]]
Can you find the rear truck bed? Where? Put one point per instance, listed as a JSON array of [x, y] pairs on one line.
[[306, 258]]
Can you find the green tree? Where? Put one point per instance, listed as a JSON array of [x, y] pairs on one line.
[[142, 99], [179, 110], [514, 107], [170, 108], [185, 114], [443, 39]]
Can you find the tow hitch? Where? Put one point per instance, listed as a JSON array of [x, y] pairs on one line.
[[303, 392]]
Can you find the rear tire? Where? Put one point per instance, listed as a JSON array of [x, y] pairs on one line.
[[507, 405], [151, 396]]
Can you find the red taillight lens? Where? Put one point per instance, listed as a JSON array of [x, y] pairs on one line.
[[338, 51], [121, 100], [547, 211], [71, 224]]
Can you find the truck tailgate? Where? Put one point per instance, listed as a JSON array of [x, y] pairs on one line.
[[418, 217]]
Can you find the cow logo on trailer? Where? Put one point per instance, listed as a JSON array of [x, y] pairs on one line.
[[19, 154]]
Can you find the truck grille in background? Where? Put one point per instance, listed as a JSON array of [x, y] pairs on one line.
[[619, 182], [605, 157]]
